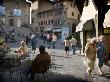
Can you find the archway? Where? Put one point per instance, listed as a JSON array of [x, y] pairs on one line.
[[73, 28]]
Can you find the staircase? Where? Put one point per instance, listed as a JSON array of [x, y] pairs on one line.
[[2, 29]]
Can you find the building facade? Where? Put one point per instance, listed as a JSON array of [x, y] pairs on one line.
[[53, 16], [66, 15], [15, 13], [45, 16]]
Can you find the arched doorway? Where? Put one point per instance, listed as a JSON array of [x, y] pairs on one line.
[[73, 28]]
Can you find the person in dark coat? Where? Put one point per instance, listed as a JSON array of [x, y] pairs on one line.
[[33, 43], [27, 40], [100, 53], [35, 66]]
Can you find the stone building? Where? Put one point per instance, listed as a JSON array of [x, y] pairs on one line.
[[66, 14], [53, 16], [14, 12], [45, 16]]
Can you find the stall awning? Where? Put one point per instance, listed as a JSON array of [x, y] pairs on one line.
[[89, 25], [85, 26], [79, 27], [48, 29], [57, 30]]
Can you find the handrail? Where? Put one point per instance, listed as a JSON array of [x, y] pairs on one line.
[[3, 28]]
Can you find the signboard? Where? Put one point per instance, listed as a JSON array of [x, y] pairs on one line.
[[2, 10], [64, 33], [17, 12], [106, 31]]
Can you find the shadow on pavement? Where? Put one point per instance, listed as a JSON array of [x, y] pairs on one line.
[[107, 75], [49, 77], [56, 77]]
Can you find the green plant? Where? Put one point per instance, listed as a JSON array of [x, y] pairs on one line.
[[75, 35]]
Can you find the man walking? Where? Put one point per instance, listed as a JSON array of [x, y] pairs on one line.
[[54, 39], [73, 43]]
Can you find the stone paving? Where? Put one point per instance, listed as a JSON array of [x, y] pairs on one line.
[[67, 68]]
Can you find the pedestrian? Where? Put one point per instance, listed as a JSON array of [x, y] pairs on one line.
[[36, 63], [22, 50], [45, 37], [67, 44], [27, 40], [73, 43], [49, 40], [101, 52], [33, 43], [90, 55], [54, 39], [48, 36]]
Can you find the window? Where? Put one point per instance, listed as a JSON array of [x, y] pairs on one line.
[[32, 20], [72, 13], [51, 21], [58, 21], [43, 14], [39, 15], [41, 22], [71, 5], [44, 22], [74, 5], [57, 5], [50, 13], [47, 14]]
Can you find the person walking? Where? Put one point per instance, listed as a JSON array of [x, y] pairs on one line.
[[33, 43], [73, 43], [49, 40], [101, 51], [54, 39], [45, 37], [27, 40], [90, 55], [67, 44]]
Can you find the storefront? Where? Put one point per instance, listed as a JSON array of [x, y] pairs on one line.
[[107, 40], [57, 32], [48, 30]]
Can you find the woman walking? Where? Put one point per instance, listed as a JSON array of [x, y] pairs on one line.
[[90, 55]]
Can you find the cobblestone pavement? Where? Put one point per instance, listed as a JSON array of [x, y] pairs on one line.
[[66, 67]]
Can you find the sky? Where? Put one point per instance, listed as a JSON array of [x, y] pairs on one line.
[[107, 19], [89, 12]]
